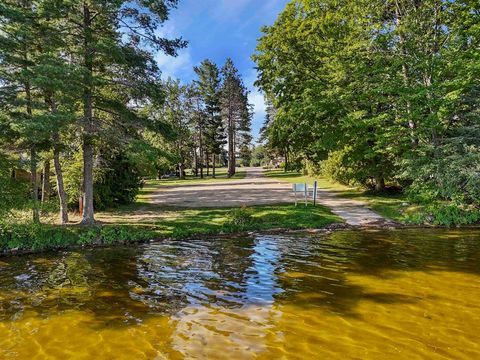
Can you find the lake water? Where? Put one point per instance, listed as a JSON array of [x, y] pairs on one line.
[[404, 294]]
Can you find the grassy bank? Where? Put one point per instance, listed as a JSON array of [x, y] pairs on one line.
[[140, 223]]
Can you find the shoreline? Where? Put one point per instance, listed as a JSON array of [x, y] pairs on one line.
[[328, 229]]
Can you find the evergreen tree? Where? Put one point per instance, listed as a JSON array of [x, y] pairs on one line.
[[209, 88], [20, 41], [107, 42], [236, 112]]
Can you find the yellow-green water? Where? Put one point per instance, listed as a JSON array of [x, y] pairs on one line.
[[409, 294]]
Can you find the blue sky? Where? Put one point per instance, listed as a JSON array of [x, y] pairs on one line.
[[218, 29]]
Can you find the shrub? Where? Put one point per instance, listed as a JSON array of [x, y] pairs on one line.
[[336, 168], [446, 214], [117, 180], [13, 193], [240, 217], [42, 236], [119, 184], [446, 173]]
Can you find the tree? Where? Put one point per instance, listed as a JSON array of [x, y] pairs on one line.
[[20, 40], [377, 91], [236, 112], [260, 156], [209, 89], [176, 112], [107, 42], [198, 123]]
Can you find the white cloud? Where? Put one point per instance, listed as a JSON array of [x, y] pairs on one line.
[[257, 99], [174, 66]]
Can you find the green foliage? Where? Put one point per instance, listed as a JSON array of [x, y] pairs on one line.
[[183, 224], [446, 173], [240, 217], [335, 168], [379, 92], [37, 237], [236, 111], [344, 167], [208, 84], [117, 182], [445, 215], [13, 193], [245, 155], [73, 169], [260, 156]]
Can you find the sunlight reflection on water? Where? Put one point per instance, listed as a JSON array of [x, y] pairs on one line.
[[371, 294]]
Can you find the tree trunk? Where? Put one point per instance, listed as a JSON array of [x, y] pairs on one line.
[[207, 159], [405, 74], [33, 159], [231, 147], [33, 182], [62, 195], [201, 157], [286, 161], [213, 165], [46, 181], [88, 212], [181, 168], [195, 160], [379, 184]]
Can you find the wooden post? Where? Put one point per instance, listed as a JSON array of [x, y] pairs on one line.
[[306, 193]]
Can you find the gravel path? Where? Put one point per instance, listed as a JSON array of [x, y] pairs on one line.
[[255, 189]]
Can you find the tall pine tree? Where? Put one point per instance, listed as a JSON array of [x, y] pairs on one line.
[[110, 43], [236, 112], [209, 88]]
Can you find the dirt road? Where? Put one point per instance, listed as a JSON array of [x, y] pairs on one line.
[[255, 189]]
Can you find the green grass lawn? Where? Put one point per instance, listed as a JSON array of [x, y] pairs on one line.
[[188, 222], [391, 206]]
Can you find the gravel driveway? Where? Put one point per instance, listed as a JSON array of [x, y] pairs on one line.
[[256, 189]]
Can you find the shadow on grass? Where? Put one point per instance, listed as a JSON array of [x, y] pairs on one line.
[[214, 221], [280, 175]]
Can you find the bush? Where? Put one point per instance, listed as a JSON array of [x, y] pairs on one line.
[[446, 215], [13, 193], [336, 168], [117, 180], [445, 173], [41, 236], [240, 217], [353, 166]]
